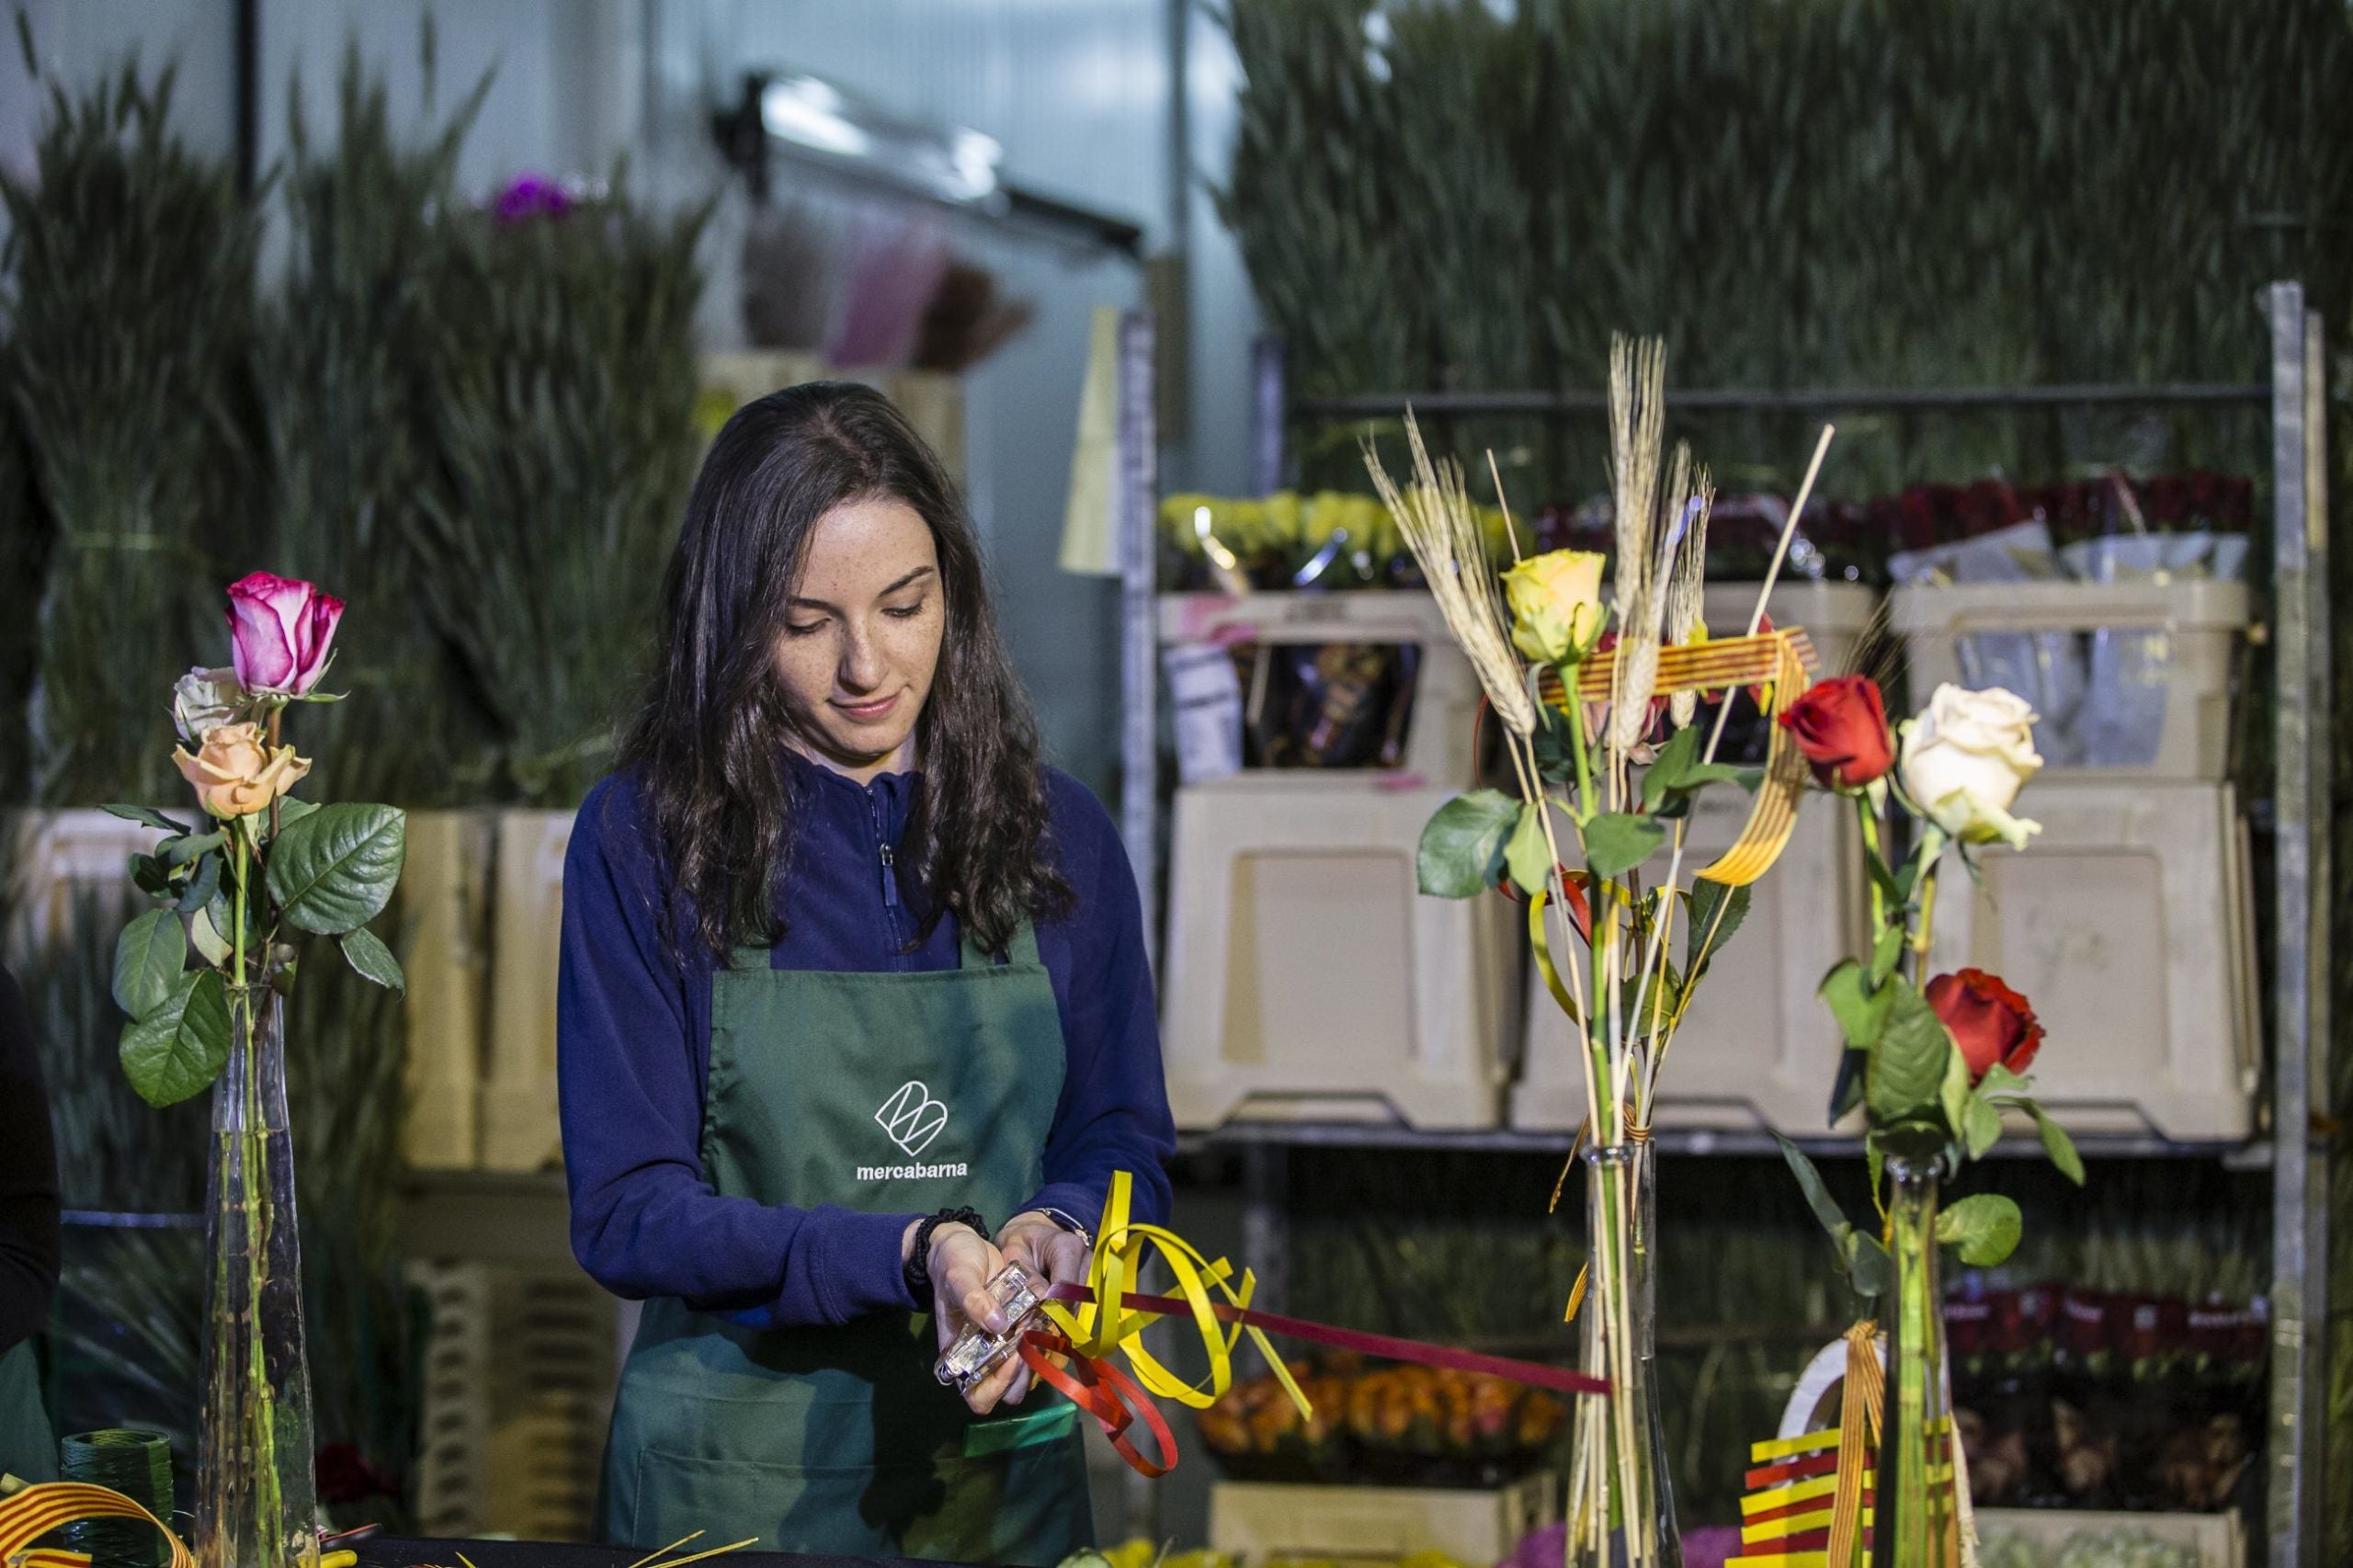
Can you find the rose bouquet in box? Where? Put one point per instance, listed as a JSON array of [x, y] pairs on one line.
[[1596, 696], [1934, 1064], [201, 973]]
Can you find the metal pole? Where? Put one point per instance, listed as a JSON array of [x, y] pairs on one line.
[[1134, 501], [2299, 1398], [1267, 412]]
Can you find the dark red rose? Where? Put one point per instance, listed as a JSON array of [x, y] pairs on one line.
[[1986, 506], [1989, 1021], [1841, 726]]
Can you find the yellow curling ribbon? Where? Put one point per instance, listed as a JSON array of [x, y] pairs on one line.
[[1097, 1328], [27, 1515]]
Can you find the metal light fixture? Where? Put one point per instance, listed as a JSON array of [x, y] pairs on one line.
[[813, 122]]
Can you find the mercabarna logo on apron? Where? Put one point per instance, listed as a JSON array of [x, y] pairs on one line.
[[913, 1119]]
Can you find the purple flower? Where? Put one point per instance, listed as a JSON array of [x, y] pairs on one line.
[[528, 196]]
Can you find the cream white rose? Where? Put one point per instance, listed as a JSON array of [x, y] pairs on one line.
[[1964, 760], [204, 700]]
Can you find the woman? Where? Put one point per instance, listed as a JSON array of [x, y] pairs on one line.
[[29, 1241], [853, 1009]]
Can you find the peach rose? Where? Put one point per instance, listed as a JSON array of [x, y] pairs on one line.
[[235, 774]]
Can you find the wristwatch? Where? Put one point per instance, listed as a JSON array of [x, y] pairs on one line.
[[916, 1270]]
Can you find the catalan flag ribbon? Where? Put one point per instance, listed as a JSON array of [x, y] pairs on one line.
[[1782, 662], [29, 1514]]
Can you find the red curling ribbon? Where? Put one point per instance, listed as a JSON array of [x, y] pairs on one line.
[[1107, 1395], [1389, 1348]]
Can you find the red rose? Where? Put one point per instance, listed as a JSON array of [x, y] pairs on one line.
[[1841, 726], [1989, 1021]]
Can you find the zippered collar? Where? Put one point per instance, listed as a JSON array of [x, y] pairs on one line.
[[886, 800]]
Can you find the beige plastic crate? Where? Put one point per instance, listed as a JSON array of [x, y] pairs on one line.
[[2128, 925], [1255, 1520], [1446, 691], [64, 858], [520, 1372], [2219, 1540], [445, 893], [1757, 1050], [2183, 636], [1306, 976], [519, 1126]]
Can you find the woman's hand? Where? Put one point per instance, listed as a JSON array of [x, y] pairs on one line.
[[1051, 1254], [962, 1264]]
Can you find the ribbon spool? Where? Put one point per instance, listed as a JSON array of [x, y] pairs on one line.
[[137, 1464]]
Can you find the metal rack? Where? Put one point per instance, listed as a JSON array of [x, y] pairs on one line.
[[2300, 619]]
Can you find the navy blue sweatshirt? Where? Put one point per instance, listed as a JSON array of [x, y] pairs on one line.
[[633, 1037]]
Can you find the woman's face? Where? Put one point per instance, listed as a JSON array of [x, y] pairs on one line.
[[862, 637]]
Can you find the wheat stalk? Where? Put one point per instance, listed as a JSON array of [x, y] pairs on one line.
[[1434, 517]]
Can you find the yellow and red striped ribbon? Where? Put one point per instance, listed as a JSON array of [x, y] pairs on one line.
[[1780, 660], [1864, 1393], [27, 1515]]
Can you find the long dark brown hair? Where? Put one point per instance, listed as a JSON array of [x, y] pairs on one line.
[[708, 741]]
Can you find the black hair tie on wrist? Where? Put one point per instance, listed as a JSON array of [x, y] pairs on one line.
[[916, 1270]]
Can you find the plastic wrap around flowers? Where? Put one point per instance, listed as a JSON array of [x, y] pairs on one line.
[[1108, 1314]]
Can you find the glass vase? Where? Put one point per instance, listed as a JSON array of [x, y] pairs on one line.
[[1622, 1505], [256, 1502], [1916, 1509]]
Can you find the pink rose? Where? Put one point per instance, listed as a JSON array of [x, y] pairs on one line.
[[282, 631]]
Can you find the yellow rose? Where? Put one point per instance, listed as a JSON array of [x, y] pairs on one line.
[[235, 774], [1555, 603]]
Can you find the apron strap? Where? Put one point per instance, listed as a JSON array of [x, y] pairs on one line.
[[1023, 948], [746, 957]]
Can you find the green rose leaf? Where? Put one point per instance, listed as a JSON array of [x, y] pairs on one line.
[[292, 811], [146, 817], [1869, 1268], [367, 953], [333, 870], [148, 959], [1714, 908], [205, 933], [1908, 1067], [1676, 774], [1462, 844], [1984, 1228], [1528, 855], [151, 875], [1860, 1010], [1863, 1260], [181, 848], [1617, 842], [1886, 952], [176, 1052], [2056, 1143], [202, 886], [1983, 1128], [1952, 1092], [1999, 1081]]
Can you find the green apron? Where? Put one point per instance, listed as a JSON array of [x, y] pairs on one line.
[[891, 1092], [28, 1445]]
